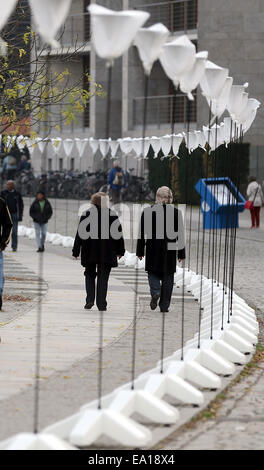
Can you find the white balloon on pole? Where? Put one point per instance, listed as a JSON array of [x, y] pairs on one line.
[[176, 143], [219, 105], [191, 141], [6, 8], [137, 145], [49, 16], [155, 144], [68, 145], [126, 145], [252, 105], [114, 31], [21, 142], [104, 147], [166, 144], [149, 42], [114, 147], [229, 129], [237, 101], [177, 58], [190, 80], [201, 140], [94, 144], [41, 144], [213, 80], [56, 144]]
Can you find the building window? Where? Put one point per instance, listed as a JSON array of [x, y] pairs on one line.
[[60, 164], [86, 86], [175, 14], [72, 165], [87, 21], [49, 164]]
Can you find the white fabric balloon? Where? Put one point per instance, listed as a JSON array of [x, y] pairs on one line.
[[126, 145], [114, 31], [252, 105], [248, 123], [21, 143], [213, 80], [177, 58], [191, 141], [104, 147], [137, 145], [41, 144], [201, 140], [114, 147], [56, 144], [149, 42], [166, 144], [49, 16], [68, 145], [190, 80], [237, 101], [219, 105], [229, 129], [176, 143], [6, 8], [94, 144], [155, 144], [222, 134]]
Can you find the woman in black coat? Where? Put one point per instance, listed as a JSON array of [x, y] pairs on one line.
[[100, 241], [162, 234]]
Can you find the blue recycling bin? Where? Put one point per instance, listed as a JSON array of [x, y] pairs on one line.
[[221, 203]]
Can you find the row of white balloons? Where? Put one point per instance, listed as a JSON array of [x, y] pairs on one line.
[[114, 32], [214, 136]]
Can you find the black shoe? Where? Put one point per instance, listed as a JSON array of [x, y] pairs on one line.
[[166, 310], [43, 249], [1, 302], [102, 309], [154, 301], [39, 250], [14, 250], [88, 306]]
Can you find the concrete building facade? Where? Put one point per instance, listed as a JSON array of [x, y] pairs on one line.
[[233, 33]]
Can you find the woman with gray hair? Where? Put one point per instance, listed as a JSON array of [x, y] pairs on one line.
[[162, 235]]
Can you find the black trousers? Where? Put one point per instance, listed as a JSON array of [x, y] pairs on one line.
[[102, 272], [162, 286]]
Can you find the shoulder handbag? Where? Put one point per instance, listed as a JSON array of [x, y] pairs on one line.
[[250, 204]]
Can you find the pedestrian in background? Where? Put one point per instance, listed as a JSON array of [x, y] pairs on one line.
[[15, 206], [117, 182], [162, 234], [41, 212], [255, 195], [5, 234], [9, 167], [99, 250]]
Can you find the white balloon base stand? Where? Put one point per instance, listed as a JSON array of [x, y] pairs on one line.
[[28, 441]]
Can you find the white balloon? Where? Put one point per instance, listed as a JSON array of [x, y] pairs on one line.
[[114, 31], [191, 141], [201, 140], [213, 80], [177, 58], [94, 144], [104, 147], [252, 105], [126, 145], [229, 129], [42, 144], [68, 145], [56, 144], [190, 80], [137, 145], [237, 101], [114, 147], [248, 123], [49, 16], [6, 8], [149, 42], [166, 144], [219, 105], [155, 144], [177, 140], [20, 141]]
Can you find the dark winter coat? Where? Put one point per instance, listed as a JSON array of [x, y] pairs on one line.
[[5, 225], [161, 248], [38, 216], [100, 247], [14, 203]]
